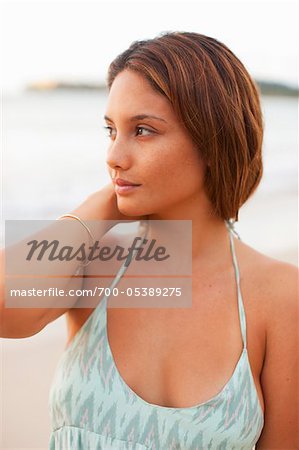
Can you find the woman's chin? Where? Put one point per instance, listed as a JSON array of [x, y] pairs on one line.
[[131, 210]]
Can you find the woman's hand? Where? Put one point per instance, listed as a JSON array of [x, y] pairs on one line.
[[102, 205]]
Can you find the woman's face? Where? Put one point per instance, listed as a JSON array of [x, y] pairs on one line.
[[156, 153]]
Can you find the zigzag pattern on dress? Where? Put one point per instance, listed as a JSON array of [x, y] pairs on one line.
[[92, 408]]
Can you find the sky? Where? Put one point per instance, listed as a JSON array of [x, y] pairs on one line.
[[76, 41]]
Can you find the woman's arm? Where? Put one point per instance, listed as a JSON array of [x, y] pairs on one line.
[[279, 378], [18, 322]]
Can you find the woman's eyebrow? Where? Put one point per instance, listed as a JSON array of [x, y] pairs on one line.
[[139, 117]]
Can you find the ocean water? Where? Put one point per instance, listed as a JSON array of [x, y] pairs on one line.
[[54, 149]]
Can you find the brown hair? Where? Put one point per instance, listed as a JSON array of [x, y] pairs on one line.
[[217, 101]]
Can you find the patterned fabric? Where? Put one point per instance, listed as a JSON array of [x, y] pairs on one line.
[[92, 408]]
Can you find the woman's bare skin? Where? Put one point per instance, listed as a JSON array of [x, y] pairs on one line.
[[191, 359]]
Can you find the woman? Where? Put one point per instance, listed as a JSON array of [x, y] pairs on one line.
[[185, 127]]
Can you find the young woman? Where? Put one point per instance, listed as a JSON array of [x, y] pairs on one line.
[[186, 131]]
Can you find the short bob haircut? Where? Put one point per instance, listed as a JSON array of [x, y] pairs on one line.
[[217, 101]]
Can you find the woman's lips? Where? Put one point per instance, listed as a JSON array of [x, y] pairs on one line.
[[124, 186], [126, 189], [122, 182]]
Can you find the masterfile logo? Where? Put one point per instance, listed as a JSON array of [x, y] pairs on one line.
[[48, 263]]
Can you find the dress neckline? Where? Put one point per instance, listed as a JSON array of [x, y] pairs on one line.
[[171, 408], [241, 358], [102, 310]]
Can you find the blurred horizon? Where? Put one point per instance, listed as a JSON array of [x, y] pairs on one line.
[[266, 87]]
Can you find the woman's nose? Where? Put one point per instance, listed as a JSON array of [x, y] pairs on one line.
[[118, 156]]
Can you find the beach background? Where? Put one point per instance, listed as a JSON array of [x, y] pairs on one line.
[[54, 149]]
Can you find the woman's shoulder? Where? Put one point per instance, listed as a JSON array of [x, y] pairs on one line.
[[268, 267], [275, 282]]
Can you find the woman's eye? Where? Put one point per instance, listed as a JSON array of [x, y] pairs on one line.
[[109, 131], [140, 131], [144, 129]]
